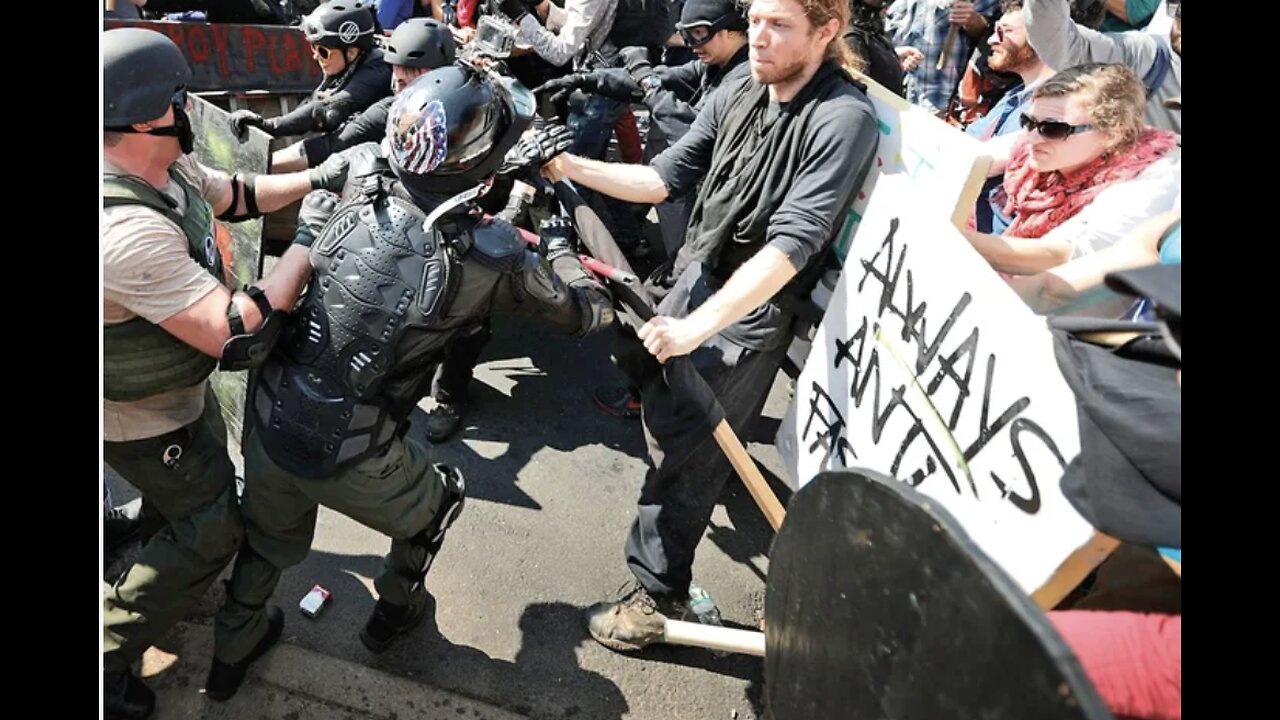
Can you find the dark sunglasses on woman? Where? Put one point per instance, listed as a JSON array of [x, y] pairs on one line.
[[1053, 129]]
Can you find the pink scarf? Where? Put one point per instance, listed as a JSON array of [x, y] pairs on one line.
[[1041, 201]]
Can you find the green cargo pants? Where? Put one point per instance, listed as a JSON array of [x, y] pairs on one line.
[[187, 476], [398, 493]]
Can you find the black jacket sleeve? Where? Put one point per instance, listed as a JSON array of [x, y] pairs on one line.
[[669, 106], [368, 126], [672, 110], [326, 112], [561, 293], [683, 80]]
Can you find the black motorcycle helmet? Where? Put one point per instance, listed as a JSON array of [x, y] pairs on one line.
[[141, 72], [340, 24], [420, 43], [449, 130]]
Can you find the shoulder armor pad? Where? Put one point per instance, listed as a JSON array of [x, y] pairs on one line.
[[365, 158], [498, 246], [363, 222]]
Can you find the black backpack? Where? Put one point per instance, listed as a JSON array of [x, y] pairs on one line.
[[646, 23]]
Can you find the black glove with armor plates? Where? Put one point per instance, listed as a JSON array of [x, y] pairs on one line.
[[555, 238], [537, 149]]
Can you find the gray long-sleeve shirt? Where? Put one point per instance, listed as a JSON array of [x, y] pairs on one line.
[[1063, 44], [581, 24], [837, 156]]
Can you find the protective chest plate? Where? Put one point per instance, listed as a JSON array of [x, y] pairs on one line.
[[377, 275]]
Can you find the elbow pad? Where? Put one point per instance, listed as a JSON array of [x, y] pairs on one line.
[[245, 351], [242, 184]]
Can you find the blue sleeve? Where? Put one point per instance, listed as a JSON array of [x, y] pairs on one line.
[[393, 12], [979, 126], [1171, 245]]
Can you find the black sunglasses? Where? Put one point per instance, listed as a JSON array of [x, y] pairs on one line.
[[1053, 129], [180, 97]]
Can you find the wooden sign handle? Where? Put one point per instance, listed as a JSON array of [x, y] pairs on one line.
[[750, 474]]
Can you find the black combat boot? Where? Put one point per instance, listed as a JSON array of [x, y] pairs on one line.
[[389, 621], [125, 697], [225, 678]]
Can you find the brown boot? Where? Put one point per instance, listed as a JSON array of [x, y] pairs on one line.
[[637, 619]]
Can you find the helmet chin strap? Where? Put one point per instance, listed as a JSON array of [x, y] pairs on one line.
[[180, 129], [461, 198]]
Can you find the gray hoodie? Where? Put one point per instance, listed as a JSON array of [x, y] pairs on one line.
[[1063, 44]]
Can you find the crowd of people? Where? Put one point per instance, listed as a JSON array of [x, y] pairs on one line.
[[423, 170]]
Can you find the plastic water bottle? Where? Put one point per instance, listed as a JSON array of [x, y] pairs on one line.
[[703, 607], [705, 610]]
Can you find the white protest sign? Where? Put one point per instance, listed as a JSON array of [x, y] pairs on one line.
[[946, 165], [928, 368]]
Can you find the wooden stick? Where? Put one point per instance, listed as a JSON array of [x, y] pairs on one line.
[[750, 474], [947, 46], [714, 637], [1073, 570], [1110, 338]]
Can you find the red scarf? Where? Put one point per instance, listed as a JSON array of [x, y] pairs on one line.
[[1041, 201]]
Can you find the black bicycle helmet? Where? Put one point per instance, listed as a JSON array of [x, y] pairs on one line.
[[420, 43]]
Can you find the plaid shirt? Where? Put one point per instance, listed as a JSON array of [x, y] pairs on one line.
[[923, 25]]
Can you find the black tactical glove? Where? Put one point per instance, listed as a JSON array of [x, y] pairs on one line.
[[331, 174], [613, 83], [241, 120], [555, 238], [518, 202], [537, 148], [561, 87], [317, 208], [636, 61], [617, 84]]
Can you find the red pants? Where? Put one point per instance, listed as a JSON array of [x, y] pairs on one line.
[[1133, 659], [628, 135]]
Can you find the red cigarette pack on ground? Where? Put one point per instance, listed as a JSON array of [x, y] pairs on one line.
[[313, 602]]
